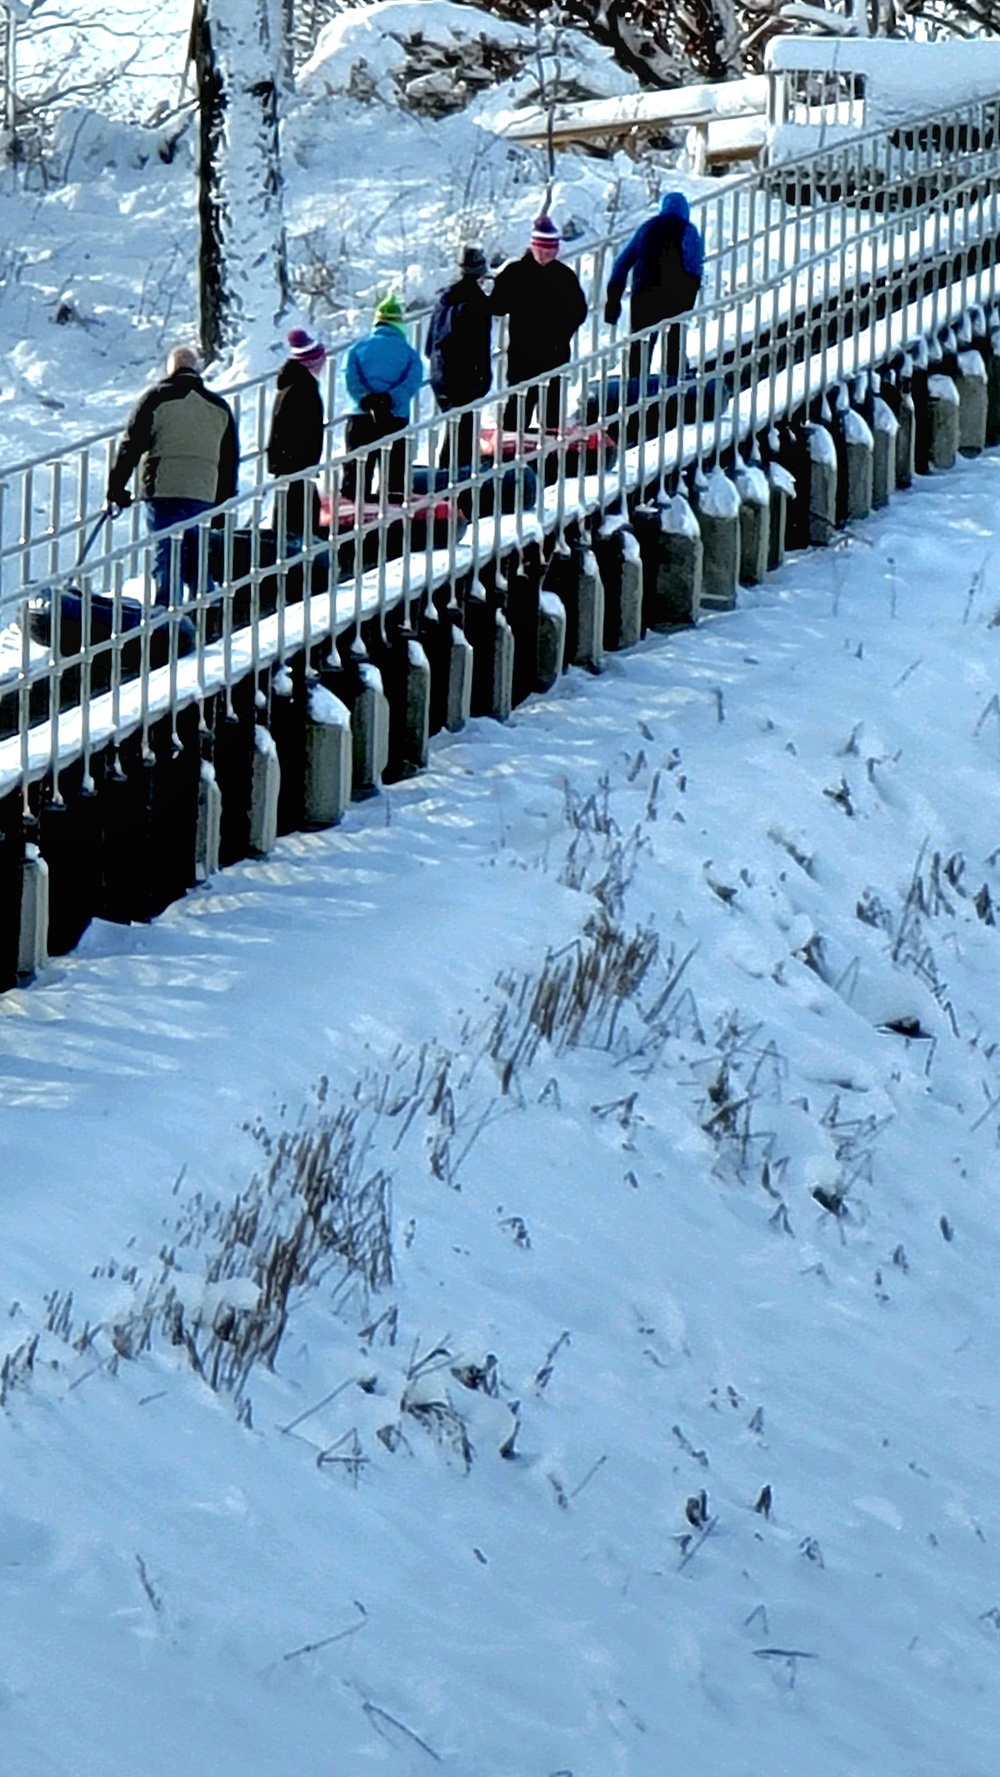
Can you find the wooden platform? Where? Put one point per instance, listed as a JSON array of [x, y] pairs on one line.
[[723, 123]]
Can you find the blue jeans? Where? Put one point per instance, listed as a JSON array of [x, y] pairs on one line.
[[160, 515]]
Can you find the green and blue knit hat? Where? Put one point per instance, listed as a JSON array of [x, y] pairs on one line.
[[389, 312]]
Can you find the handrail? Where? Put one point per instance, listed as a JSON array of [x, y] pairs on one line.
[[896, 250], [719, 252]]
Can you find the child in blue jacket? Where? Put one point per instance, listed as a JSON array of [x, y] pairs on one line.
[[382, 373]]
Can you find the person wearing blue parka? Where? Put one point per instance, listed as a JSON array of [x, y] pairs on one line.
[[664, 258], [383, 373]]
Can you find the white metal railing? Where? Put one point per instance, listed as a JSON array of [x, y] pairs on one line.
[[821, 98], [819, 87], [835, 264], [46, 501]]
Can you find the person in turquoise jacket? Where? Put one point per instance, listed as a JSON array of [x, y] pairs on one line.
[[382, 373]]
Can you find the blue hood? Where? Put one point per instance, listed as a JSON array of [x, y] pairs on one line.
[[676, 204]]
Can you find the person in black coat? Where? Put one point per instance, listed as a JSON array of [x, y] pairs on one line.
[[295, 438], [545, 305], [459, 347]]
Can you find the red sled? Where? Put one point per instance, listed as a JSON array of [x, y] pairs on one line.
[[595, 445], [526, 444], [555, 447], [423, 516]]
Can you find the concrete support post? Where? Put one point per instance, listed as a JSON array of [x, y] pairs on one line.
[[906, 417], [329, 758], [859, 451], [503, 667], [70, 839], [551, 639], [264, 792], [418, 703], [369, 731], [993, 391], [286, 724], [918, 377], [523, 578], [673, 563], [493, 645], [32, 949], [943, 418], [406, 680], [458, 667], [755, 523], [822, 465], [781, 486], [885, 433], [717, 511], [620, 561], [208, 829], [232, 757], [973, 399], [588, 639], [450, 658], [11, 883]]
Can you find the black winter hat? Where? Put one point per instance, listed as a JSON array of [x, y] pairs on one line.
[[473, 262]]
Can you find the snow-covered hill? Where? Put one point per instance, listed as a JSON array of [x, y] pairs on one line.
[[633, 1403], [509, 1285]]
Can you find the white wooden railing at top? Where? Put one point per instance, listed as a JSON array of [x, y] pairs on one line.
[[835, 264]]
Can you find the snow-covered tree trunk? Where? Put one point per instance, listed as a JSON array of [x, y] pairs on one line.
[[239, 58]]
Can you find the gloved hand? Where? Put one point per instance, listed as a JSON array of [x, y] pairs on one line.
[[612, 308], [378, 404], [118, 496]]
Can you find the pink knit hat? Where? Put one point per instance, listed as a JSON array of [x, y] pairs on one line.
[[305, 350]]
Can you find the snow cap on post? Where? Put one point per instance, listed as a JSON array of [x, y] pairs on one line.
[[389, 312], [306, 350]]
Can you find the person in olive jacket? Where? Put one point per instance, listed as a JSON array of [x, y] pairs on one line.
[[182, 438], [382, 373], [295, 437], [459, 342], [545, 305]]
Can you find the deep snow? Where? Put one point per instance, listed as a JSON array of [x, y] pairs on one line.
[[638, 1219], [794, 807]]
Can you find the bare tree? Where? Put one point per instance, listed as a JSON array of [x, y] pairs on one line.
[[663, 43], [53, 60], [238, 51]]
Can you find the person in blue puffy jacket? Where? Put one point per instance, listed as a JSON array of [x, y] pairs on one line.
[[664, 258], [382, 373]]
